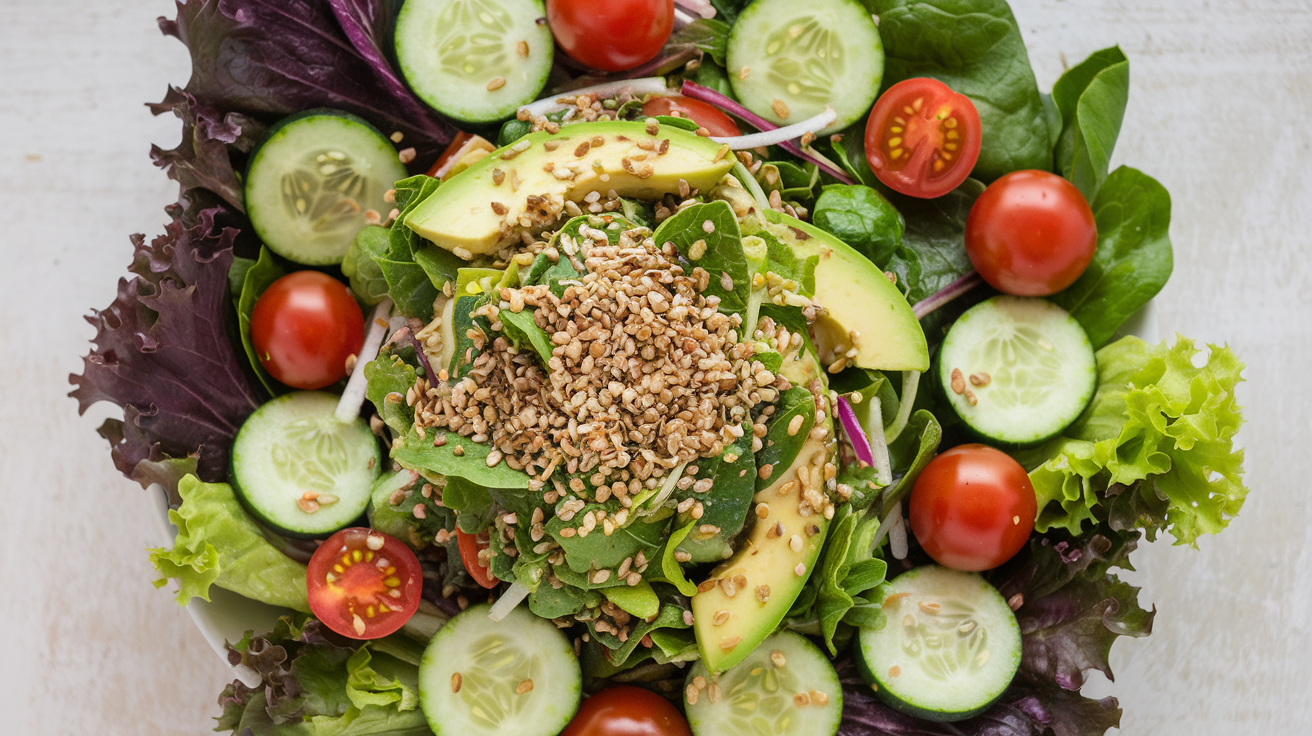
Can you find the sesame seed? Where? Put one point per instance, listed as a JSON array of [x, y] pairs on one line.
[[819, 698], [780, 109], [524, 687], [496, 84], [777, 659], [728, 643], [406, 155], [795, 543], [396, 137], [456, 681], [522, 48], [795, 424], [894, 671], [980, 379], [800, 570], [721, 617], [801, 700]]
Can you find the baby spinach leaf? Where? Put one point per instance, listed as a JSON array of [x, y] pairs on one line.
[[360, 264], [935, 253], [783, 262], [1091, 98], [472, 503], [726, 503], [551, 602], [719, 249], [389, 376], [670, 571], [520, 328], [259, 277], [864, 219], [670, 617], [780, 447], [462, 321], [599, 551], [974, 47], [408, 283], [910, 453], [636, 600], [419, 454], [1133, 259]]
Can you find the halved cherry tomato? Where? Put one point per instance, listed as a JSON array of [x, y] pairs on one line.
[[363, 584], [973, 508], [626, 710], [464, 150], [470, 546], [611, 35], [1031, 233], [922, 139], [304, 327], [706, 115]]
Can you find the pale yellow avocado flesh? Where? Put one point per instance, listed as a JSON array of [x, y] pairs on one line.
[[857, 296], [464, 212], [750, 610]]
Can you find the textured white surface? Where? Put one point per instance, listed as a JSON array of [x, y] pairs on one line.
[[1222, 93]]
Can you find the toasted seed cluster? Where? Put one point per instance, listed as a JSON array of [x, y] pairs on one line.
[[646, 374]]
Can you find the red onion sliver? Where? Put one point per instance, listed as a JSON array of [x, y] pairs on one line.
[[855, 434], [946, 294]]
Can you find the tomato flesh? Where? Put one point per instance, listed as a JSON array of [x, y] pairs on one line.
[[464, 150], [363, 584], [625, 710], [304, 327], [470, 545], [704, 114], [611, 35], [922, 139], [1031, 233], [972, 508]]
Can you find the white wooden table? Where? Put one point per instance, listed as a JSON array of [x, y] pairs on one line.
[[1219, 112]]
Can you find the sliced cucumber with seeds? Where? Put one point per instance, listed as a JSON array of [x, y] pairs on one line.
[[950, 648], [1017, 370], [789, 60], [312, 179], [299, 470], [785, 687], [515, 676], [474, 60]]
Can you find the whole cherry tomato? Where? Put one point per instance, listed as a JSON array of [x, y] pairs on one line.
[[304, 327], [625, 710], [1031, 233], [973, 508], [611, 35]]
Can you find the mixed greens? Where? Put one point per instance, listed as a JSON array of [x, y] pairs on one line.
[[616, 409]]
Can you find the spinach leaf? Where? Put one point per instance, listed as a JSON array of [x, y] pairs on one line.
[[420, 454], [1133, 259], [387, 378], [521, 329], [728, 10], [781, 446], [599, 551], [864, 219], [783, 262], [462, 321], [974, 47], [934, 240], [258, 277], [411, 287], [472, 503], [910, 453], [670, 571], [726, 503], [360, 264], [670, 617], [711, 36], [551, 602], [718, 251], [1091, 98]]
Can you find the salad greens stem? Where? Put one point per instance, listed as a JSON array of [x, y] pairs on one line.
[[910, 382], [946, 294], [753, 187]]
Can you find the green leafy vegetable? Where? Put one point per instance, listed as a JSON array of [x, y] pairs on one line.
[[412, 287], [718, 250], [360, 264], [1091, 98], [935, 232], [1133, 259], [864, 219], [974, 47], [219, 544], [909, 454], [470, 462], [670, 571], [599, 551], [522, 329], [1158, 419], [708, 35], [780, 447], [258, 277], [387, 379]]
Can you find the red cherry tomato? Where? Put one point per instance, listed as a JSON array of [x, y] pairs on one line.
[[363, 584], [972, 508], [611, 35], [1031, 233], [922, 139], [626, 710], [708, 116], [470, 545], [464, 150], [304, 327]]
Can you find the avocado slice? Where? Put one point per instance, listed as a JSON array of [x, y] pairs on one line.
[[857, 296], [524, 186], [765, 568]]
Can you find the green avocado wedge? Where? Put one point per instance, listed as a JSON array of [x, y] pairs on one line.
[[858, 297]]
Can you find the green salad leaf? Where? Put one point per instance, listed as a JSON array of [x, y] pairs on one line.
[[360, 264], [219, 544], [259, 276], [1091, 98], [864, 219], [524, 331], [1157, 423], [412, 286], [718, 250], [468, 462]]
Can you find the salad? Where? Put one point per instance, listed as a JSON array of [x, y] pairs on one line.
[[702, 367]]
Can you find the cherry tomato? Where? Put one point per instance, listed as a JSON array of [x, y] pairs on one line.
[[708, 116], [464, 150], [1031, 233], [922, 139], [611, 35], [363, 584], [470, 546], [972, 508], [626, 710], [304, 327]]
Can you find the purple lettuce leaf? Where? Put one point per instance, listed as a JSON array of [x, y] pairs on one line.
[[1027, 708], [278, 57], [203, 159], [162, 352]]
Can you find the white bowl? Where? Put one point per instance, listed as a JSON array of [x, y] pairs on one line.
[[228, 616]]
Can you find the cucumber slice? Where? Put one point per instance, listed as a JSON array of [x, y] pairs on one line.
[[796, 58], [950, 648], [1017, 370], [515, 676], [292, 448], [786, 686], [312, 178], [474, 60]]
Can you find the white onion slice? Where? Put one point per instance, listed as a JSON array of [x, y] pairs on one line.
[[878, 447], [774, 137], [348, 407], [897, 536], [516, 593], [644, 86], [702, 8], [891, 518]]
